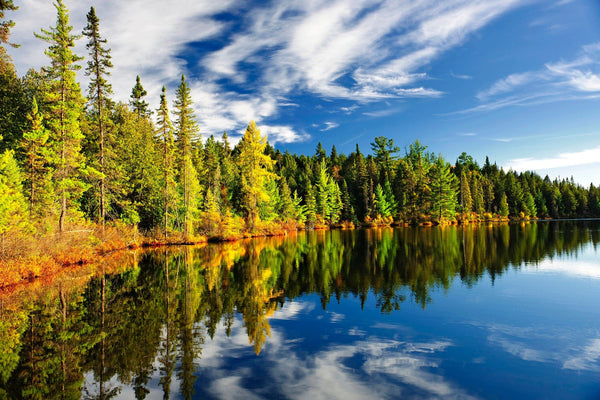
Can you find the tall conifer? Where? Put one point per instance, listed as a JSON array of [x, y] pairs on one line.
[[187, 130], [99, 91], [64, 105]]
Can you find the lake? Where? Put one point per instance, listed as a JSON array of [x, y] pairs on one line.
[[476, 312]]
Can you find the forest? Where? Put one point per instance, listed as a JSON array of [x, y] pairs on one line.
[[74, 161]]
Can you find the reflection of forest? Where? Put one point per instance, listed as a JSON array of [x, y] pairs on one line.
[[75, 340]]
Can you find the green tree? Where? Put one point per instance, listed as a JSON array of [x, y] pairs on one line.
[[137, 102], [443, 190], [64, 105], [99, 91], [466, 201], [382, 206], [165, 132], [5, 25], [37, 179], [13, 209], [187, 131], [385, 154], [503, 211], [530, 205]]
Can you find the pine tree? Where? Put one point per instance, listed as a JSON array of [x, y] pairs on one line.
[[530, 205], [99, 91], [64, 103], [165, 132], [443, 190], [286, 209], [255, 170], [137, 102], [187, 131], [36, 163], [322, 198], [13, 209], [503, 211], [382, 206], [466, 201], [311, 207], [5, 26]]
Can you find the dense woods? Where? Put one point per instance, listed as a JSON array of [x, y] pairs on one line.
[[69, 160]]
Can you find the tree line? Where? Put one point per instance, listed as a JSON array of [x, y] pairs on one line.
[[67, 157]]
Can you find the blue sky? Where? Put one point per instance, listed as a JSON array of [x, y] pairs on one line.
[[517, 80]]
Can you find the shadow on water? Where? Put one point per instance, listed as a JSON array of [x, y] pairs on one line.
[[76, 340]]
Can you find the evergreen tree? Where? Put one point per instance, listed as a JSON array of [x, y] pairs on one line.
[[36, 163], [5, 25], [187, 131], [322, 192], [385, 152], [99, 91], [311, 207], [466, 201], [165, 132], [287, 209], [530, 205], [443, 190], [137, 102], [64, 106], [477, 193], [13, 209], [503, 210], [382, 206]]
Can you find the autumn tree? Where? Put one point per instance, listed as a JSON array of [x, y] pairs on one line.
[[255, 170]]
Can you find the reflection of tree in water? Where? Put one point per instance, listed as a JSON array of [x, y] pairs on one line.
[[152, 319]]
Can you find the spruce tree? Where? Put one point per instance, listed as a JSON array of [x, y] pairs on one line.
[[5, 25], [187, 131], [64, 105], [37, 172], [466, 201], [443, 190], [137, 102], [99, 91], [165, 132], [13, 209]]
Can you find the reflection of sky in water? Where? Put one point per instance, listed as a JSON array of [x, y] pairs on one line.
[[532, 333], [529, 335]]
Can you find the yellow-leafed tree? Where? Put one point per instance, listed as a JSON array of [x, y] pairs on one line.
[[255, 170]]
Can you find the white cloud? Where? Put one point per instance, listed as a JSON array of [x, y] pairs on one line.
[[576, 79], [588, 358], [329, 125], [361, 51], [588, 156]]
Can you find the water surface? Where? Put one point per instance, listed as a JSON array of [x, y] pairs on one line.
[[486, 312]]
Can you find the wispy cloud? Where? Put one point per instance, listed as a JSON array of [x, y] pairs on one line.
[[360, 51], [569, 159], [575, 79], [329, 125], [386, 112]]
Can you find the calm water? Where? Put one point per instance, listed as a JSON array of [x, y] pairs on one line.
[[498, 312]]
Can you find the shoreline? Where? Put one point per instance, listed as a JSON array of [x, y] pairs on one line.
[[20, 271]]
